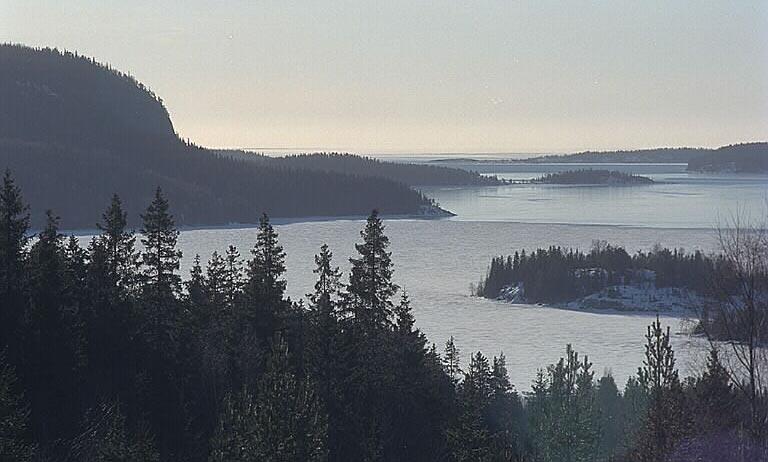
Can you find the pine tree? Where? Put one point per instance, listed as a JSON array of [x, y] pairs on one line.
[[370, 280], [665, 424], [14, 223]]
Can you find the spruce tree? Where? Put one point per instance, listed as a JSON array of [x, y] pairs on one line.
[[469, 438], [161, 284], [52, 338], [233, 279], [14, 224], [160, 256], [452, 360], [265, 271], [265, 288], [118, 244], [370, 280]]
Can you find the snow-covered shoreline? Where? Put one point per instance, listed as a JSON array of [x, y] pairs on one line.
[[624, 299]]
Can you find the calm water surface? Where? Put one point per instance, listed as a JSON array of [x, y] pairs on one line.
[[435, 261]]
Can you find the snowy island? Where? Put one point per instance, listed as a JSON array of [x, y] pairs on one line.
[[606, 278]]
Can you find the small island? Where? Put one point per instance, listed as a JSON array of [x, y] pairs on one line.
[[605, 278], [593, 177]]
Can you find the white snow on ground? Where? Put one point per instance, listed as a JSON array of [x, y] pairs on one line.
[[629, 298], [640, 298]]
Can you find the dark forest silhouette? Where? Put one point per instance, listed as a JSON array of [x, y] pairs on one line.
[[75, 131]]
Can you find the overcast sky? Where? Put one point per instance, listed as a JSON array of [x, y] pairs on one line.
[[440, 76]]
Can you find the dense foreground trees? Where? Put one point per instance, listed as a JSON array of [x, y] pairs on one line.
[[108, 355]]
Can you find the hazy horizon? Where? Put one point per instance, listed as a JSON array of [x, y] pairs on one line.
[[397, 78]]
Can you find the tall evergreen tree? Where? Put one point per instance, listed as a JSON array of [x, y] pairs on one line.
[[119, 246], [233, 282], [469, 438], [265, 287], [452, 360], [370, 280], [609, 402], [52, 339], [14, 224], [666, 422], [563, 413], [266, 269], [160, 256]]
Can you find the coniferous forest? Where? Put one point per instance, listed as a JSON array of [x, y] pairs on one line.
[[556, 274], [109, 354], [75, 131]]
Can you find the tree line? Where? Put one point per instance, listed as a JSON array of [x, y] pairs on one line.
[[108, 354]]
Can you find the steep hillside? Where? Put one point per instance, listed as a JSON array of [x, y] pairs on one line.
[[73, 132], [67, 99]]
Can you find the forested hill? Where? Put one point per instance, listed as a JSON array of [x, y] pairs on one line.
[[659, 155], [410, 174], [73, 132], [737, 158], [64, 98]]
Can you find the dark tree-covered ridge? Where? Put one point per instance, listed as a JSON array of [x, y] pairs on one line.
[[410, 174], [74, 132]]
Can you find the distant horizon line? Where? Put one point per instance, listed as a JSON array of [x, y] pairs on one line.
[[531, 153]]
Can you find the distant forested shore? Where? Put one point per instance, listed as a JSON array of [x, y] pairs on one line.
[[734, 158], [592, 177]]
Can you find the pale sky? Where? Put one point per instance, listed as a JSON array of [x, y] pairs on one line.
[[391, 76]]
